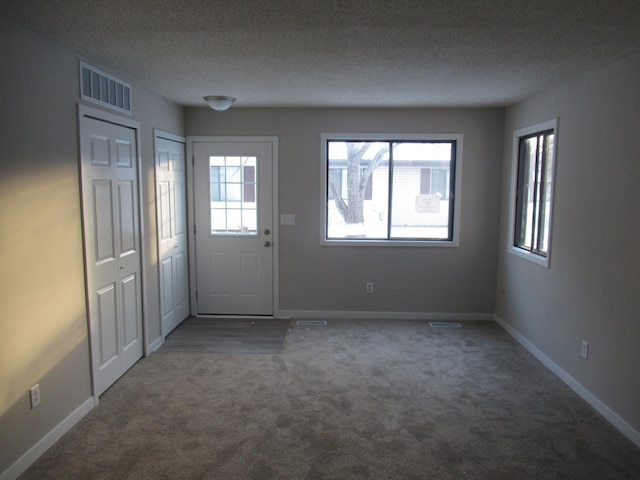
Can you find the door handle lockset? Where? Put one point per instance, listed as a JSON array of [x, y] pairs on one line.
[[267, 244]]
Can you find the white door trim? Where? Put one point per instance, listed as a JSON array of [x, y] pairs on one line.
[[275, 212], [168, 136], [84, 111]]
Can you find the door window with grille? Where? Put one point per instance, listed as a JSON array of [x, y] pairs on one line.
[[233, 195]]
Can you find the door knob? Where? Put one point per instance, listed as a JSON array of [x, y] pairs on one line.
[[267, 244]]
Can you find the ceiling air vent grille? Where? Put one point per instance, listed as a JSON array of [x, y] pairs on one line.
[[97, 86]]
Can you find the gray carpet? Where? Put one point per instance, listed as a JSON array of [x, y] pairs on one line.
[[228, 335], [350, 400]]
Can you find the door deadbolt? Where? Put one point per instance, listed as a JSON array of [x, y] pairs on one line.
[[267, 231]]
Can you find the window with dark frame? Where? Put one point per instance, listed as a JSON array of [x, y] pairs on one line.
[[390, 190], [534, 186]]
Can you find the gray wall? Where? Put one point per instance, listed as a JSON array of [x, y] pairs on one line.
[[415, 280], [592, 289], [43, 324]]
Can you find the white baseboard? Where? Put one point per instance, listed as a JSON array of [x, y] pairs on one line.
[[611, 416], [46, 442], [351, 315], [155, 345]]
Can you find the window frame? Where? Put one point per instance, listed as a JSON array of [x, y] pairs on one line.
[[518, 136], [365, 137]]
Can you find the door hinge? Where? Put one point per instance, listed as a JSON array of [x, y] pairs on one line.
[[194, 228]]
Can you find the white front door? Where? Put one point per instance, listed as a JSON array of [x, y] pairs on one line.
[[110, 195], [172, 232], [233, 206]]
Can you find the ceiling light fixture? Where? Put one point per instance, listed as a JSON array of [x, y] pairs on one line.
[[219, 102]]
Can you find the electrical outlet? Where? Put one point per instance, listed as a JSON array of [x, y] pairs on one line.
[[369, 287], [584, 350], [34, 395]]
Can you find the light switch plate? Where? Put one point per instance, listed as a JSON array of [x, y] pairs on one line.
[[287, 219]]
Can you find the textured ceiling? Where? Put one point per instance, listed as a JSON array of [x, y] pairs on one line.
[[373, 53]]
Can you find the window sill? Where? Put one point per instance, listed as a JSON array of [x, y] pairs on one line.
[[389, 243], [532, 257]]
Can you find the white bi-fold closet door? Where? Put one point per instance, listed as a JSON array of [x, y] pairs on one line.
[[110, 206], [171, 208]]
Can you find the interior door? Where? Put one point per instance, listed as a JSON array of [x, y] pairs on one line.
[[234, 227], [112, 247], [172, 232]]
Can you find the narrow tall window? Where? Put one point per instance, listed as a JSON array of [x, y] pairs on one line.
[[534, 189]]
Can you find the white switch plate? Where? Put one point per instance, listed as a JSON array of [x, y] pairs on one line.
[[287, 219], [584, 349], [34, 395]]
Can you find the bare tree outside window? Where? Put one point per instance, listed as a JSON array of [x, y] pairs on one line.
[[359, 173]]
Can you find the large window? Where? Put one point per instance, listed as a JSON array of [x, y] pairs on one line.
[[534, 155], [398, 189]]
